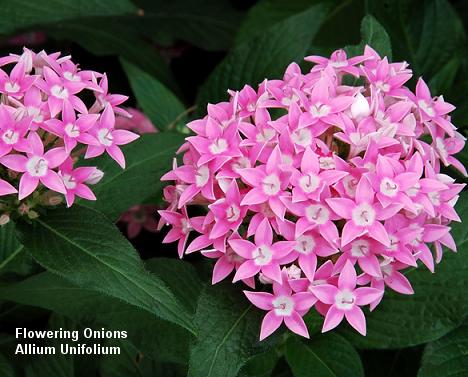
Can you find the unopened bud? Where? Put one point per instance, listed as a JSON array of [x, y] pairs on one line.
[[4, 219], [55, 200], [360, 107], [33, 215], [95, 177], [293, 272]]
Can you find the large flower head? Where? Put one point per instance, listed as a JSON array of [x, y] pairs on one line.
[[325, 191]]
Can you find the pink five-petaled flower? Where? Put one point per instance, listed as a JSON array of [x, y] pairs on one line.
[[282, 305], [269, 183], [228, 212], [263, 255], [109, 139], [310, 181], [12, 132], [71, 129], [37, 167], [431, 110], [181, 228], [363, 214], [345, 300], [74, 181]]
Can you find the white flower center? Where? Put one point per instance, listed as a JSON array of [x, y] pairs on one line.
[[327, 163], [424, 106], [359, 248], [363, 215], [37, 166], [309, 183], [384, 87], [59, 92], [440, 145], [317, 213], [10, 137], [389, 187], [241, 163], [339, 63], [344, 300], [262, 255], [72, 130], [233, 213], [271, 184], [319, 110], [302, 137], [283, 305], [434, 197], [266, 135], [69, 181], [393, 242], [291, 99], [105, 137], [202, 175], [305, 244], [71, 76], [185, 226], [36, 113], [350, 184], [12, 87], [218, 146], [413, 191]]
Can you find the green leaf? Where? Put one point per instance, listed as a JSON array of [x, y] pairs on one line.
[[266, 14], [180, 276], [327, 355], [228, 329], [11, 251], [6, 367], [157, 101], [260, 365], [448, 356], [439, 305], [208, 24], [81, 245], [374, 35], [157, 339], [427, 34], [148, 158], [58, 365], [113, 36], [132, 363], [264, 56], [20, 14]]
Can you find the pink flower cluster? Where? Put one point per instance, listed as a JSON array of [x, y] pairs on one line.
[[324, 189], [45, 125]]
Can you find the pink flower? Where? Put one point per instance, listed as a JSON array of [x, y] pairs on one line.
[[74, 182], [269, 182], [110, 139], [138, 122], [71, 129], [37, 167], [345, 300], [263, 255], [283, 306], [138, 218], [363, 214]]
